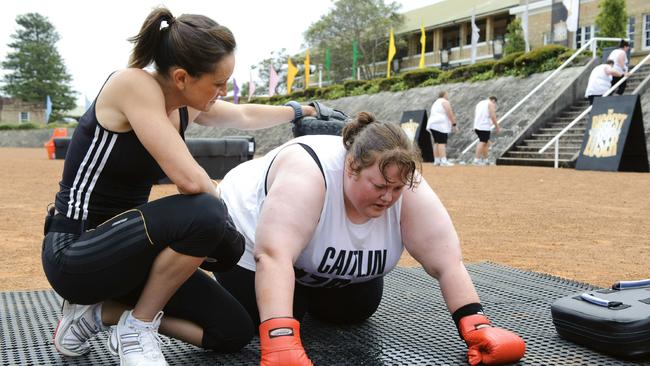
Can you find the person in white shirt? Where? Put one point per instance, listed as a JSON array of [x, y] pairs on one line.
[[619, 56], [325, 218], [600, 80], [485, 115], [442, 121]]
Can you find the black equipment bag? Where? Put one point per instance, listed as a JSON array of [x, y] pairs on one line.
[[614, 321]]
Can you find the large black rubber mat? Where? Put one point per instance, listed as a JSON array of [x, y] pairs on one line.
[[411, 327]]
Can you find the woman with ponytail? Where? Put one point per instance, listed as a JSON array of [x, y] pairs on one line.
[[325, 218], [115, 257]]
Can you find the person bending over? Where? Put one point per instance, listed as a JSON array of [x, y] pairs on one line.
[[116, 258], [325, 218]]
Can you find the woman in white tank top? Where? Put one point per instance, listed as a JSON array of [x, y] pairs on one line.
[[442, 121], [325, 219]]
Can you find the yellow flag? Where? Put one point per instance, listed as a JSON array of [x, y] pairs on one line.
[[292, 70], [423, 42], [307, 71], [391, 52]]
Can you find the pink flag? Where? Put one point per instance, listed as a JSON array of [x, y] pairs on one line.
[[251, 86], [273, 81]]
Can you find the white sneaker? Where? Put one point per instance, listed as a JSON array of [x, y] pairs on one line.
[[78, 324], [436, 163], [478, 162], [137, 342], [446, 163]]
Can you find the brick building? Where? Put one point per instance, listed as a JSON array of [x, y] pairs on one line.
[[17, 111], [447, 26], [539, 25]]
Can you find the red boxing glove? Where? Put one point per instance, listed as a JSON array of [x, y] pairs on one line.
[[280, 343], [489, 345]]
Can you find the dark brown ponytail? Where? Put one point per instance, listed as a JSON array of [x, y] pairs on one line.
[[195, 43]]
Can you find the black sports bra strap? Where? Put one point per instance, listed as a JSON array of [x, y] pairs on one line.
[[310, 151]]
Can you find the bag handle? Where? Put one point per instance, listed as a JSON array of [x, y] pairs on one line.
[[600, 301], [623, 285]]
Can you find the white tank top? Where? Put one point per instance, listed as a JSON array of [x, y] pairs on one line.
[[340, 252], [614, 55], [438, 119], [482, 120], [599, 81]]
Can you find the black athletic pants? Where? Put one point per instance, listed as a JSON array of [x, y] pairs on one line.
[[342, 305], [621, 88], [112, 262]]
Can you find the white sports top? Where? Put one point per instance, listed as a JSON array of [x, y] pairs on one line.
[[599, 81], [614, 55], [340, 252], [438, 119], [482, 120]]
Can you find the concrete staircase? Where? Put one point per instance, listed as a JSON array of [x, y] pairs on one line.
[[525, 152]]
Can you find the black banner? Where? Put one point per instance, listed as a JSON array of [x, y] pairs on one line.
[[414, 123], [615, 137]]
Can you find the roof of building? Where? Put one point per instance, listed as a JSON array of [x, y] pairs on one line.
[[450, 11]]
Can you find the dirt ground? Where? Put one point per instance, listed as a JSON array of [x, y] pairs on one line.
[[586, 226]]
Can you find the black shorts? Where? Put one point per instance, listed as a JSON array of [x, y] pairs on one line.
[[483, 136], [439, 137]]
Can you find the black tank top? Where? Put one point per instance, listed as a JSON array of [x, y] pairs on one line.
[[106, 173]]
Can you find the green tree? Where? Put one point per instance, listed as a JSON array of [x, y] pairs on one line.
[[366, 21], [515, 41], [35, 67], [611, 19]]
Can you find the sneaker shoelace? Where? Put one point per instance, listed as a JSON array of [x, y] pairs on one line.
[[145, 340]]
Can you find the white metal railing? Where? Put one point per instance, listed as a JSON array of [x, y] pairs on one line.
[[591, 43], [556, 140]]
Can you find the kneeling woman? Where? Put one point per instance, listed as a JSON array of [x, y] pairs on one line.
[[325, 218]]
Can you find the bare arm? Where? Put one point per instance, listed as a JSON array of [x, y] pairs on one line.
[[492, 108], [289, 217], [450, 113], [622, 57], [134, 98], [429, 236], [612, 72], [247, 116]]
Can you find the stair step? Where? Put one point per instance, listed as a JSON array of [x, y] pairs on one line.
[[548, 154], [549, 136], [561, 125], [563, 142], [556, 130], [535, 162], [567, 149]]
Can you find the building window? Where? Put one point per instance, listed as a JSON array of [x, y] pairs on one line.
[[24, 117], [646, 31], [451, 37], [583, 35], [630, 31], [428, 47], [481, 32], [500, 25]]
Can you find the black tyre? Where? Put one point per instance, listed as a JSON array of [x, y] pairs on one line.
[[313, 126]]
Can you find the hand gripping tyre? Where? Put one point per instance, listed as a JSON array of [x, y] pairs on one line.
[[328, 121]]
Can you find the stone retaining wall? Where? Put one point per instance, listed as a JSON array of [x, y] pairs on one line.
[[390, 106]]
